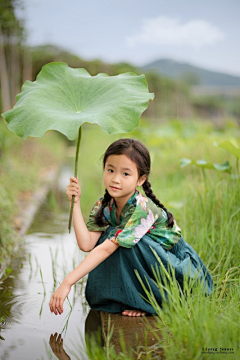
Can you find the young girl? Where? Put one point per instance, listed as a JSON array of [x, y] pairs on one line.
[[123, 226]]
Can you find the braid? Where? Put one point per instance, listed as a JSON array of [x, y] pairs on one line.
[[99, 216], [148, 191]]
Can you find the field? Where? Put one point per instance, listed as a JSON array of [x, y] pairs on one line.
[[205, 203]]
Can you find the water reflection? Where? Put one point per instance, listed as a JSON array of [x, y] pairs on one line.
[[56, 343], [92, 329], [27, 323]]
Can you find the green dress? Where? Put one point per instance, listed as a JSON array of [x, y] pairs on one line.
[[113, 286]]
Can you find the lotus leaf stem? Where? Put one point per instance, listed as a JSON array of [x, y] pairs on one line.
[[75, 175]]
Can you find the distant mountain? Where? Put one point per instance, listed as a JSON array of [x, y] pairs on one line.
[[194, 74]]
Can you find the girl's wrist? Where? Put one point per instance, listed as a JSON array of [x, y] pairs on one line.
[[66, 282], [74, 204]]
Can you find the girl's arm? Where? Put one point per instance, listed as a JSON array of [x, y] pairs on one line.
[[86, 239], [92, 260]]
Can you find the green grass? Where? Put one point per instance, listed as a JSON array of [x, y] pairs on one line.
[[209, 217]]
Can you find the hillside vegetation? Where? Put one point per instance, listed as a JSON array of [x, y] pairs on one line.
[[196, 75]]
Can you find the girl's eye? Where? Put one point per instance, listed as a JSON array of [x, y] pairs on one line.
[[125, 174], [110, 170]]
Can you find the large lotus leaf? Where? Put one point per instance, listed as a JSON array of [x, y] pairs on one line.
[[230, 147], [63, 99]]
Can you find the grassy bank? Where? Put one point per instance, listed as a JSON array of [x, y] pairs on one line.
[[206, 207], [23, 166]]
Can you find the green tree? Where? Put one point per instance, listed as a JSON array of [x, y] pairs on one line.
[[12, 36]]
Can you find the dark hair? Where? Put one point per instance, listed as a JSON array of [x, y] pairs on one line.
[[139, 154]]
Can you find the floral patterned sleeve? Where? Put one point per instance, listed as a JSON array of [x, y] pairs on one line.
[[165, 236], [91, 223], [149, 219], [137, 225]]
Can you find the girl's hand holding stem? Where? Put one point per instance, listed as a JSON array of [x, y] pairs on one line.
[[73, 189], [86, 240]]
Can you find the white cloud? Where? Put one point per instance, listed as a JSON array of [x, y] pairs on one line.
[[170, 31]]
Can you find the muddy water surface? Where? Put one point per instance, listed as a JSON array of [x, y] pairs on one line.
[[48, 255]]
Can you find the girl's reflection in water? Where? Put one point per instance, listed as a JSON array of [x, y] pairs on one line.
[[92, 330], [56, 343]]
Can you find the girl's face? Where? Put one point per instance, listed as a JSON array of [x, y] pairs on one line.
[[121, 177]]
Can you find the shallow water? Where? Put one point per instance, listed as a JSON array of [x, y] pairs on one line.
[[48, 255]]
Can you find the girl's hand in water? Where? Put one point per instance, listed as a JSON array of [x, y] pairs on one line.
[[56, 302], [73, 189]]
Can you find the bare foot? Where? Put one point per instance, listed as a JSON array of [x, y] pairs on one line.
[[133, 313]]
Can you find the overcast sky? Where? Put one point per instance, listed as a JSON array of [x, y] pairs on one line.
[[202, 32]]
